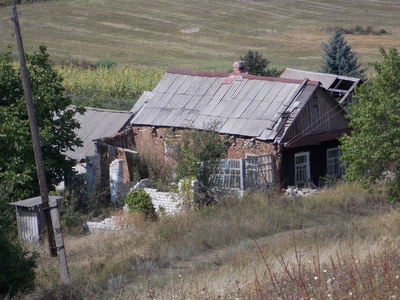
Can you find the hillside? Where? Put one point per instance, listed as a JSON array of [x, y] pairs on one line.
[[201, 34]]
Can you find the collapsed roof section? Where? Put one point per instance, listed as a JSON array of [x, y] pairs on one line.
[[340, 87]]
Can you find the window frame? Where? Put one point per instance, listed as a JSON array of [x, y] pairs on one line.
[[334, 161], [307, 172]]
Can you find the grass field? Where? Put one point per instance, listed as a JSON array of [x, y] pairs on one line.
[[201, 34], [339, 244]]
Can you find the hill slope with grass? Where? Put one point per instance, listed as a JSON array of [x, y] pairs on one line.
[[201, 34]]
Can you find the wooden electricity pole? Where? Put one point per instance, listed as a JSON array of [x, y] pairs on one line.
[[38, 153]]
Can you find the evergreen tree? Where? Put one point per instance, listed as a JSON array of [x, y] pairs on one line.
[[339, 59], [256, 64]]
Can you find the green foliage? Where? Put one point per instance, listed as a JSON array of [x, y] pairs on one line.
[[139, 201], [372, 151], [339, 59], [78, 206], [17, 267], [56, 127], [256, 64], [198, 154], [104, 63], [158, 172]]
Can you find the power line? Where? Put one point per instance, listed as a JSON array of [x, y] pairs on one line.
[[300, 134]]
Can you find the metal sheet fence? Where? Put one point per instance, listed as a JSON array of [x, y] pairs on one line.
[[248, 173]]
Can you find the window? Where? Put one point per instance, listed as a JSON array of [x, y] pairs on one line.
[[334, 169], [302, 167]]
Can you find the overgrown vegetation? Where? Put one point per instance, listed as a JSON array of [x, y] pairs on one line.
[[78, 206], [261, 246], [159, 173], [139, 201], [197, 155], [17, 267]]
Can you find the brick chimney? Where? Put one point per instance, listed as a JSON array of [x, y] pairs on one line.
[[238, 71], [238, 67]]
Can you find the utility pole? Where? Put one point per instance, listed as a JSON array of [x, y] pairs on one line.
[[38, 153]]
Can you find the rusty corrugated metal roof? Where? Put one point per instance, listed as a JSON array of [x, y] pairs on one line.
[[97, 123], [241, 104]]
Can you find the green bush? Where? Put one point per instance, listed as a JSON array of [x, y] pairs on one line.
[[139, 201], [17, 267], [104, 63]]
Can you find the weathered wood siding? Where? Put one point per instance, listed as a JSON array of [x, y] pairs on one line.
[[319, 115], [318, 162]]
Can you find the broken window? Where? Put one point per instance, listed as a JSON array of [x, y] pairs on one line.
[[334, 169]]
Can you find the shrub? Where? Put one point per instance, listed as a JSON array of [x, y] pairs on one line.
[[103, 63], [17, 267], [139, 201]]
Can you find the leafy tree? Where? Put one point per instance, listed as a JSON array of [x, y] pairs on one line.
[[256, 64], [18, 179], [17, 267], [372, 151], [339, 59]]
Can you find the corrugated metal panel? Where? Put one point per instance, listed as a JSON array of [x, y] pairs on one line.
[[35, 201], [246, 106], [325, 79], [155, 100], [217, 111], [213, 88], [185, 85], [249, 112], [239, 108], [28, 226], [208, 82], [254, 89], [244, 92], [97, 123], [165, 82], [198, 103], [197, 82], [233, 87], [163, 100], [173, 88], [146, 96]]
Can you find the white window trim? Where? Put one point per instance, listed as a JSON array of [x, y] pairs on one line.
[[308, 173]]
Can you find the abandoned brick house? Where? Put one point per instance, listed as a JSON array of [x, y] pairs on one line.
[[296, 122]]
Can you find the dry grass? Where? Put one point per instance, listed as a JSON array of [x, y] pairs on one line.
[[235, 249], [203, 35]]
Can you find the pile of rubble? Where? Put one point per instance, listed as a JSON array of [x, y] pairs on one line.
[[302, 192]]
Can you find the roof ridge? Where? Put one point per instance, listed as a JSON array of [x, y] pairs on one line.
[[244, 75]]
